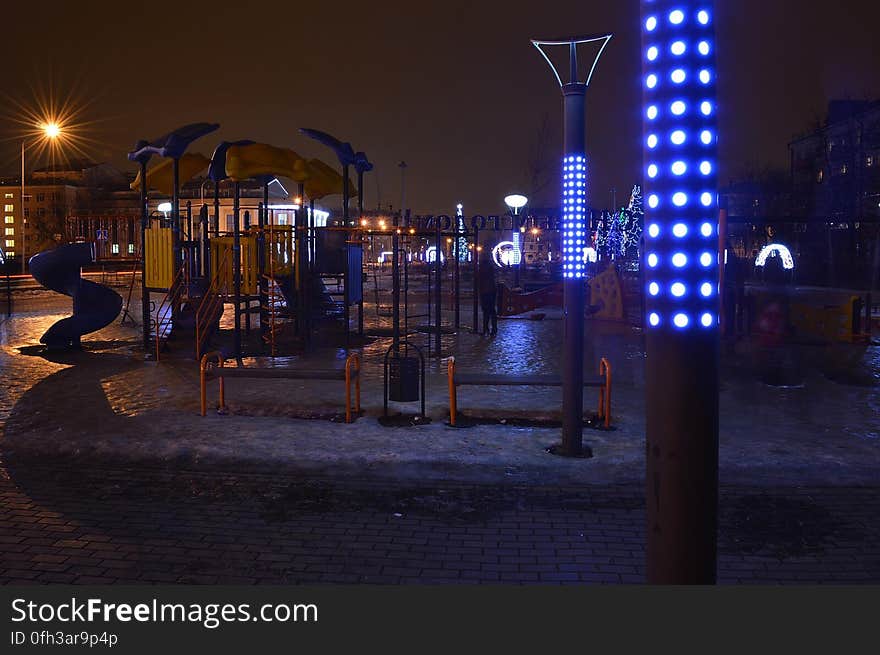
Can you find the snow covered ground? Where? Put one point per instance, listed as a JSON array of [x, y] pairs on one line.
[[106, 404]]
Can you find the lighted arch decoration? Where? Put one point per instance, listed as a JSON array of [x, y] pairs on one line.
[[782, 251], [590, 255], [431, 255], [680, 153], [504, 254]]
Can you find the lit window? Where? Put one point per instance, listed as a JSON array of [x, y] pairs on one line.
[[869, 161], [41, 197], [131, 249], [10, 231], [114, 248], [9, 208], [10, 243], [9, 219], [8, 195]]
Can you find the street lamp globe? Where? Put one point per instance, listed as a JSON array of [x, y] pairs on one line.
[[516, 202], [52, 130]]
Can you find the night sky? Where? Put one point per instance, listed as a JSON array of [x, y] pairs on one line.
[[454, 88]]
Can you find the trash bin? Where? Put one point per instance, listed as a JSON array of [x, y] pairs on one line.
[[403, 379]]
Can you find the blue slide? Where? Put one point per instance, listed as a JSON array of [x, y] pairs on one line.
[[94, 305]]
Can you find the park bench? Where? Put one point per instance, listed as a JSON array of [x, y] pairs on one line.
[[458, 379], [351, 373]]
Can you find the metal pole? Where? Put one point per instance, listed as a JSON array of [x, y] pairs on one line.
[[175, 213], [438, 272], [360, 214], [475, 291], [345, 279], [682, 336], [236, 268], [206, 247], [145, 295], [301, 254], [457, 278], [573, 298], [262, 221], [395, 286], [23, 219], [217, 208]]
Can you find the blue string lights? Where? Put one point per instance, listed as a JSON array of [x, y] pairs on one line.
[[680, 136], [574, 198]]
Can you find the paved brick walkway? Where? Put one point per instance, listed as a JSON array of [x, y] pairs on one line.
[[125, 526]]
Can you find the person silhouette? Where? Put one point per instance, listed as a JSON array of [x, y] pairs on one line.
[[488, 291]]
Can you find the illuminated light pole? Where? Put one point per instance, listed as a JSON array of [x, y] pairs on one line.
[[682, 294], [514, 203], [574, 235], [51, 131]]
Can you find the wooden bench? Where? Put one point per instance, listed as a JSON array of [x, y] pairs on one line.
[[456, 379], [351, 373]]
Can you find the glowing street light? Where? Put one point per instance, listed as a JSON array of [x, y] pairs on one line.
[[51, 131], [515, 202], [682, 277], [573, 82]]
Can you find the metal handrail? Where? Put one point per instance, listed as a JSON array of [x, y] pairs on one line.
[[211, 301], [171, 297]]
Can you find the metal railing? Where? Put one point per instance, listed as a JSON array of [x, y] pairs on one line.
[[211, 302]]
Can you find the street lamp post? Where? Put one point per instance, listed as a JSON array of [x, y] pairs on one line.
[[514, 203], [574, 234], [51, 131], [682, 290]]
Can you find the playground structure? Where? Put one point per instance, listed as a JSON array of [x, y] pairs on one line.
[[94, 305], [198, 269]]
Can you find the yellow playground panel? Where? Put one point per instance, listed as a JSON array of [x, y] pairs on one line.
[[826, 322], [279, 258], [225, 276], [279, 250], [158, 258], [606, 291]]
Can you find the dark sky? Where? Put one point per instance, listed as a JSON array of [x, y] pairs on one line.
[[454, 88]]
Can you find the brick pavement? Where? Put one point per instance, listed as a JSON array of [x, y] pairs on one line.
[[59, 525]]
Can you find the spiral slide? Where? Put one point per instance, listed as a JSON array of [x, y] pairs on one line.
[[94, 305]]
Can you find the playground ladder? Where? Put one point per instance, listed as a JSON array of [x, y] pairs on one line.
[[165, 311], [212, 301]]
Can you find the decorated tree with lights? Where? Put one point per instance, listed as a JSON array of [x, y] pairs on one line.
[[635, 216]]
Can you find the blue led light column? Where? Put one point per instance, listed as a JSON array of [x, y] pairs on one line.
[[681, 287], [574, 237]]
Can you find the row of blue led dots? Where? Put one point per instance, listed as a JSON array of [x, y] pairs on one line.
[[574, 229], [688, 273]]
